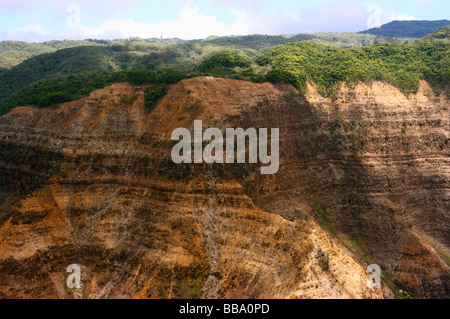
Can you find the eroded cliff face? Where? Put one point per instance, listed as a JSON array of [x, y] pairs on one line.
[[364, 178]]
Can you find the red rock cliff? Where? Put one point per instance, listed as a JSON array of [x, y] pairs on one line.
[[364, 178]]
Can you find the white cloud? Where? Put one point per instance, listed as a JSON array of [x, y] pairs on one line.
[[347, 15], [378, 16], [334, 15], [263, 24], [33, 32], [189, 25]]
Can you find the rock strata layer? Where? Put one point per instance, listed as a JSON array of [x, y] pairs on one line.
[[363, 179]]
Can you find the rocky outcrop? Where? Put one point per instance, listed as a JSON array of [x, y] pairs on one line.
[[364, 178]]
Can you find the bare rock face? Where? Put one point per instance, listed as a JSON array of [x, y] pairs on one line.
[[364, 179]]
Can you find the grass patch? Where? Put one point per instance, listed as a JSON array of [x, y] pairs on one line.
[[128, 100], [355, 242], [324, 222], [445, 256]]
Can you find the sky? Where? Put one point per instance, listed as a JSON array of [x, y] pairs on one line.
[[44, 20]]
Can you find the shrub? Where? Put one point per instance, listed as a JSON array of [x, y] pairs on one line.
[[225, 61], [153, 96]]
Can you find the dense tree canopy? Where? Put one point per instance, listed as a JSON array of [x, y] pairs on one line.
[[402, 65]]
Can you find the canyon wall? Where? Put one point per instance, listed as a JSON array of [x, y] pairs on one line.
[[363, 179]]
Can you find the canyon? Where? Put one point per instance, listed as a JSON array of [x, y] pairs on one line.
[[363, 178]]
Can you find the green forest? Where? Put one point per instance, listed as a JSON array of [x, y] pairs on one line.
[[399, 64], [71, 73]]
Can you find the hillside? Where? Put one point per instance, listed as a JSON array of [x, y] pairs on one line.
[[42, 74], [442, 33], [402, 65], [70, 74], [13, 53], [407, 29]]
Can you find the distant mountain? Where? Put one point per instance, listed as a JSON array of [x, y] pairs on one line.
[[407, 29]]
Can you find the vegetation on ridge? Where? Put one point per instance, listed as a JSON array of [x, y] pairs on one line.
[[12, 53], [399, 64], [70, 74]]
